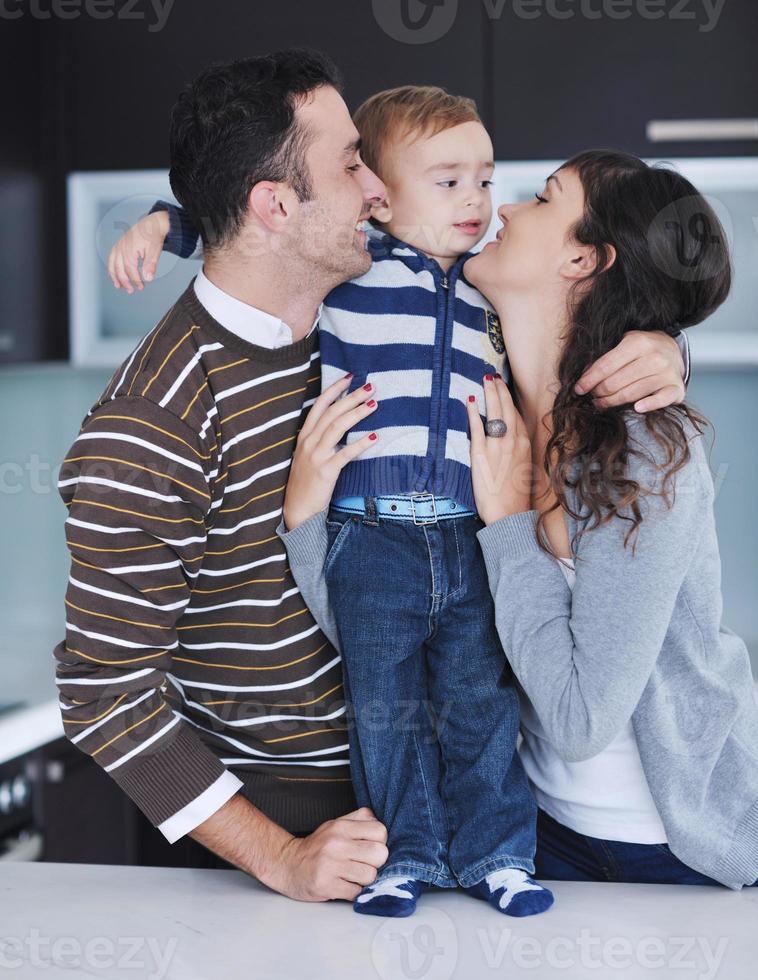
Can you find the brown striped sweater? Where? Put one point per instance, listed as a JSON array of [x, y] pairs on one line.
[[189, 648]]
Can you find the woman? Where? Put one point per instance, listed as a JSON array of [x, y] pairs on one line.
[[640, 727]]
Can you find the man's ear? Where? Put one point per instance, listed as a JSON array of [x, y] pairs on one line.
[[382, 212], [584, 261], [272, 204]]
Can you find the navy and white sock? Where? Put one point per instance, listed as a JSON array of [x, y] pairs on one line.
[[513, 892], [394, 896]]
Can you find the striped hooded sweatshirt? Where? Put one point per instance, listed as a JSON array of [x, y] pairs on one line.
[[424, 338]]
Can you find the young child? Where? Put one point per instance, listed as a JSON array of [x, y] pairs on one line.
[[433, 744]]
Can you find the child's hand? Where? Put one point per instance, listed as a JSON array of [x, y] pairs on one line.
[[645, 367], [501, 467], [316, 464], [143, 241]]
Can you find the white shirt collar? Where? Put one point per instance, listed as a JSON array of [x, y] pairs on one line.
[[247, 322]]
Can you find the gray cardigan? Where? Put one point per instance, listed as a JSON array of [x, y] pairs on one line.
[[639, 638]]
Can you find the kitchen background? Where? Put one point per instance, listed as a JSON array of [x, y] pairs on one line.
[[89, 87]]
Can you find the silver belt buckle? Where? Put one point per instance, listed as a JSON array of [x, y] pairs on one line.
[[431, 520]]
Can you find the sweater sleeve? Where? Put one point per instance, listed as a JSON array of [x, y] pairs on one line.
[[183, 238], [307, 547], [584, 658], [136, 485]]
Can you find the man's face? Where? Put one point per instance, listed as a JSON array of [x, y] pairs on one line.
[[327, 231]]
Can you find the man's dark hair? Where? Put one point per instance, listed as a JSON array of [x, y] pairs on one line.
[[234, 126]]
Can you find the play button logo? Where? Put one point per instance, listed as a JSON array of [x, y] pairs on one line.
[[415, 21]]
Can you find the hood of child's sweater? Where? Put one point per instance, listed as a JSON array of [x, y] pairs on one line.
[[382, 245]]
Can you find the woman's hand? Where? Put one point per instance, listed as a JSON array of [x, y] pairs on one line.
[[316, 464], [143, 241], [501, 468]]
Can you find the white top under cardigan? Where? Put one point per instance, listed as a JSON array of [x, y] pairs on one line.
[[606, 796]]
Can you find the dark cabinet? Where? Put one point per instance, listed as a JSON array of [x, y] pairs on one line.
[[93, 91], [22, 196], [124, 77], [596, 78], [84, 816]]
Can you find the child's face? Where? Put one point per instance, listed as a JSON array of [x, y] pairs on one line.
[[438, 188]]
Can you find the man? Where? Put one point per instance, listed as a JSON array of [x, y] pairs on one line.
[[192, 671]]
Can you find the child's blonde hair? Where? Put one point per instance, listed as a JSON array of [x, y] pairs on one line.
[[395, 113]]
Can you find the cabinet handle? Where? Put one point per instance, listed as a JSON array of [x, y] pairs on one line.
[[695, 130], [55, 770]]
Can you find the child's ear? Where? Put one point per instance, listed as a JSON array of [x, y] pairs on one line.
[[382, 212]]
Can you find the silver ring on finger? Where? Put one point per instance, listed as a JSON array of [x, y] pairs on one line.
[[496, 428]]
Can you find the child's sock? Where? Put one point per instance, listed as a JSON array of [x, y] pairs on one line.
[[513, 892], [395, 896]]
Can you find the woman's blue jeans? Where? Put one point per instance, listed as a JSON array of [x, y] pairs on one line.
[[432, 714], [565, 855]]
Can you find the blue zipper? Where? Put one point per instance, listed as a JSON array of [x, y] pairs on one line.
[[441, 363], [439, 399]]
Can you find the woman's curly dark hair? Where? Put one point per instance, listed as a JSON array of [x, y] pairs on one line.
[[672, 269]]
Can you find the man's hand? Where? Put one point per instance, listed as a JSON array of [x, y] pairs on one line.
[[336, 861], [646, 368], [143, 241]]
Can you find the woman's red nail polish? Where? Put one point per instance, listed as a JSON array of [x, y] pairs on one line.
[[372, 437], [348, 375], [368, 386], [371, 403], [472, 398], [489, 377], [499, 375]]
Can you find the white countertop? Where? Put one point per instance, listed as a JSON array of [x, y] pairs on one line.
[[64, 921], [26, 729]]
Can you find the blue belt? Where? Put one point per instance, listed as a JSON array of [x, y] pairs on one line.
[[421, 508]]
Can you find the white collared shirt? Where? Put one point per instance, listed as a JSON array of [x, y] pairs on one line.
[[251, 324], [202, 807]]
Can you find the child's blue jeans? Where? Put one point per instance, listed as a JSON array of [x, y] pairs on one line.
[[433, 717]]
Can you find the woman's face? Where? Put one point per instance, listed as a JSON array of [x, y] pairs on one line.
[[534, 246]]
